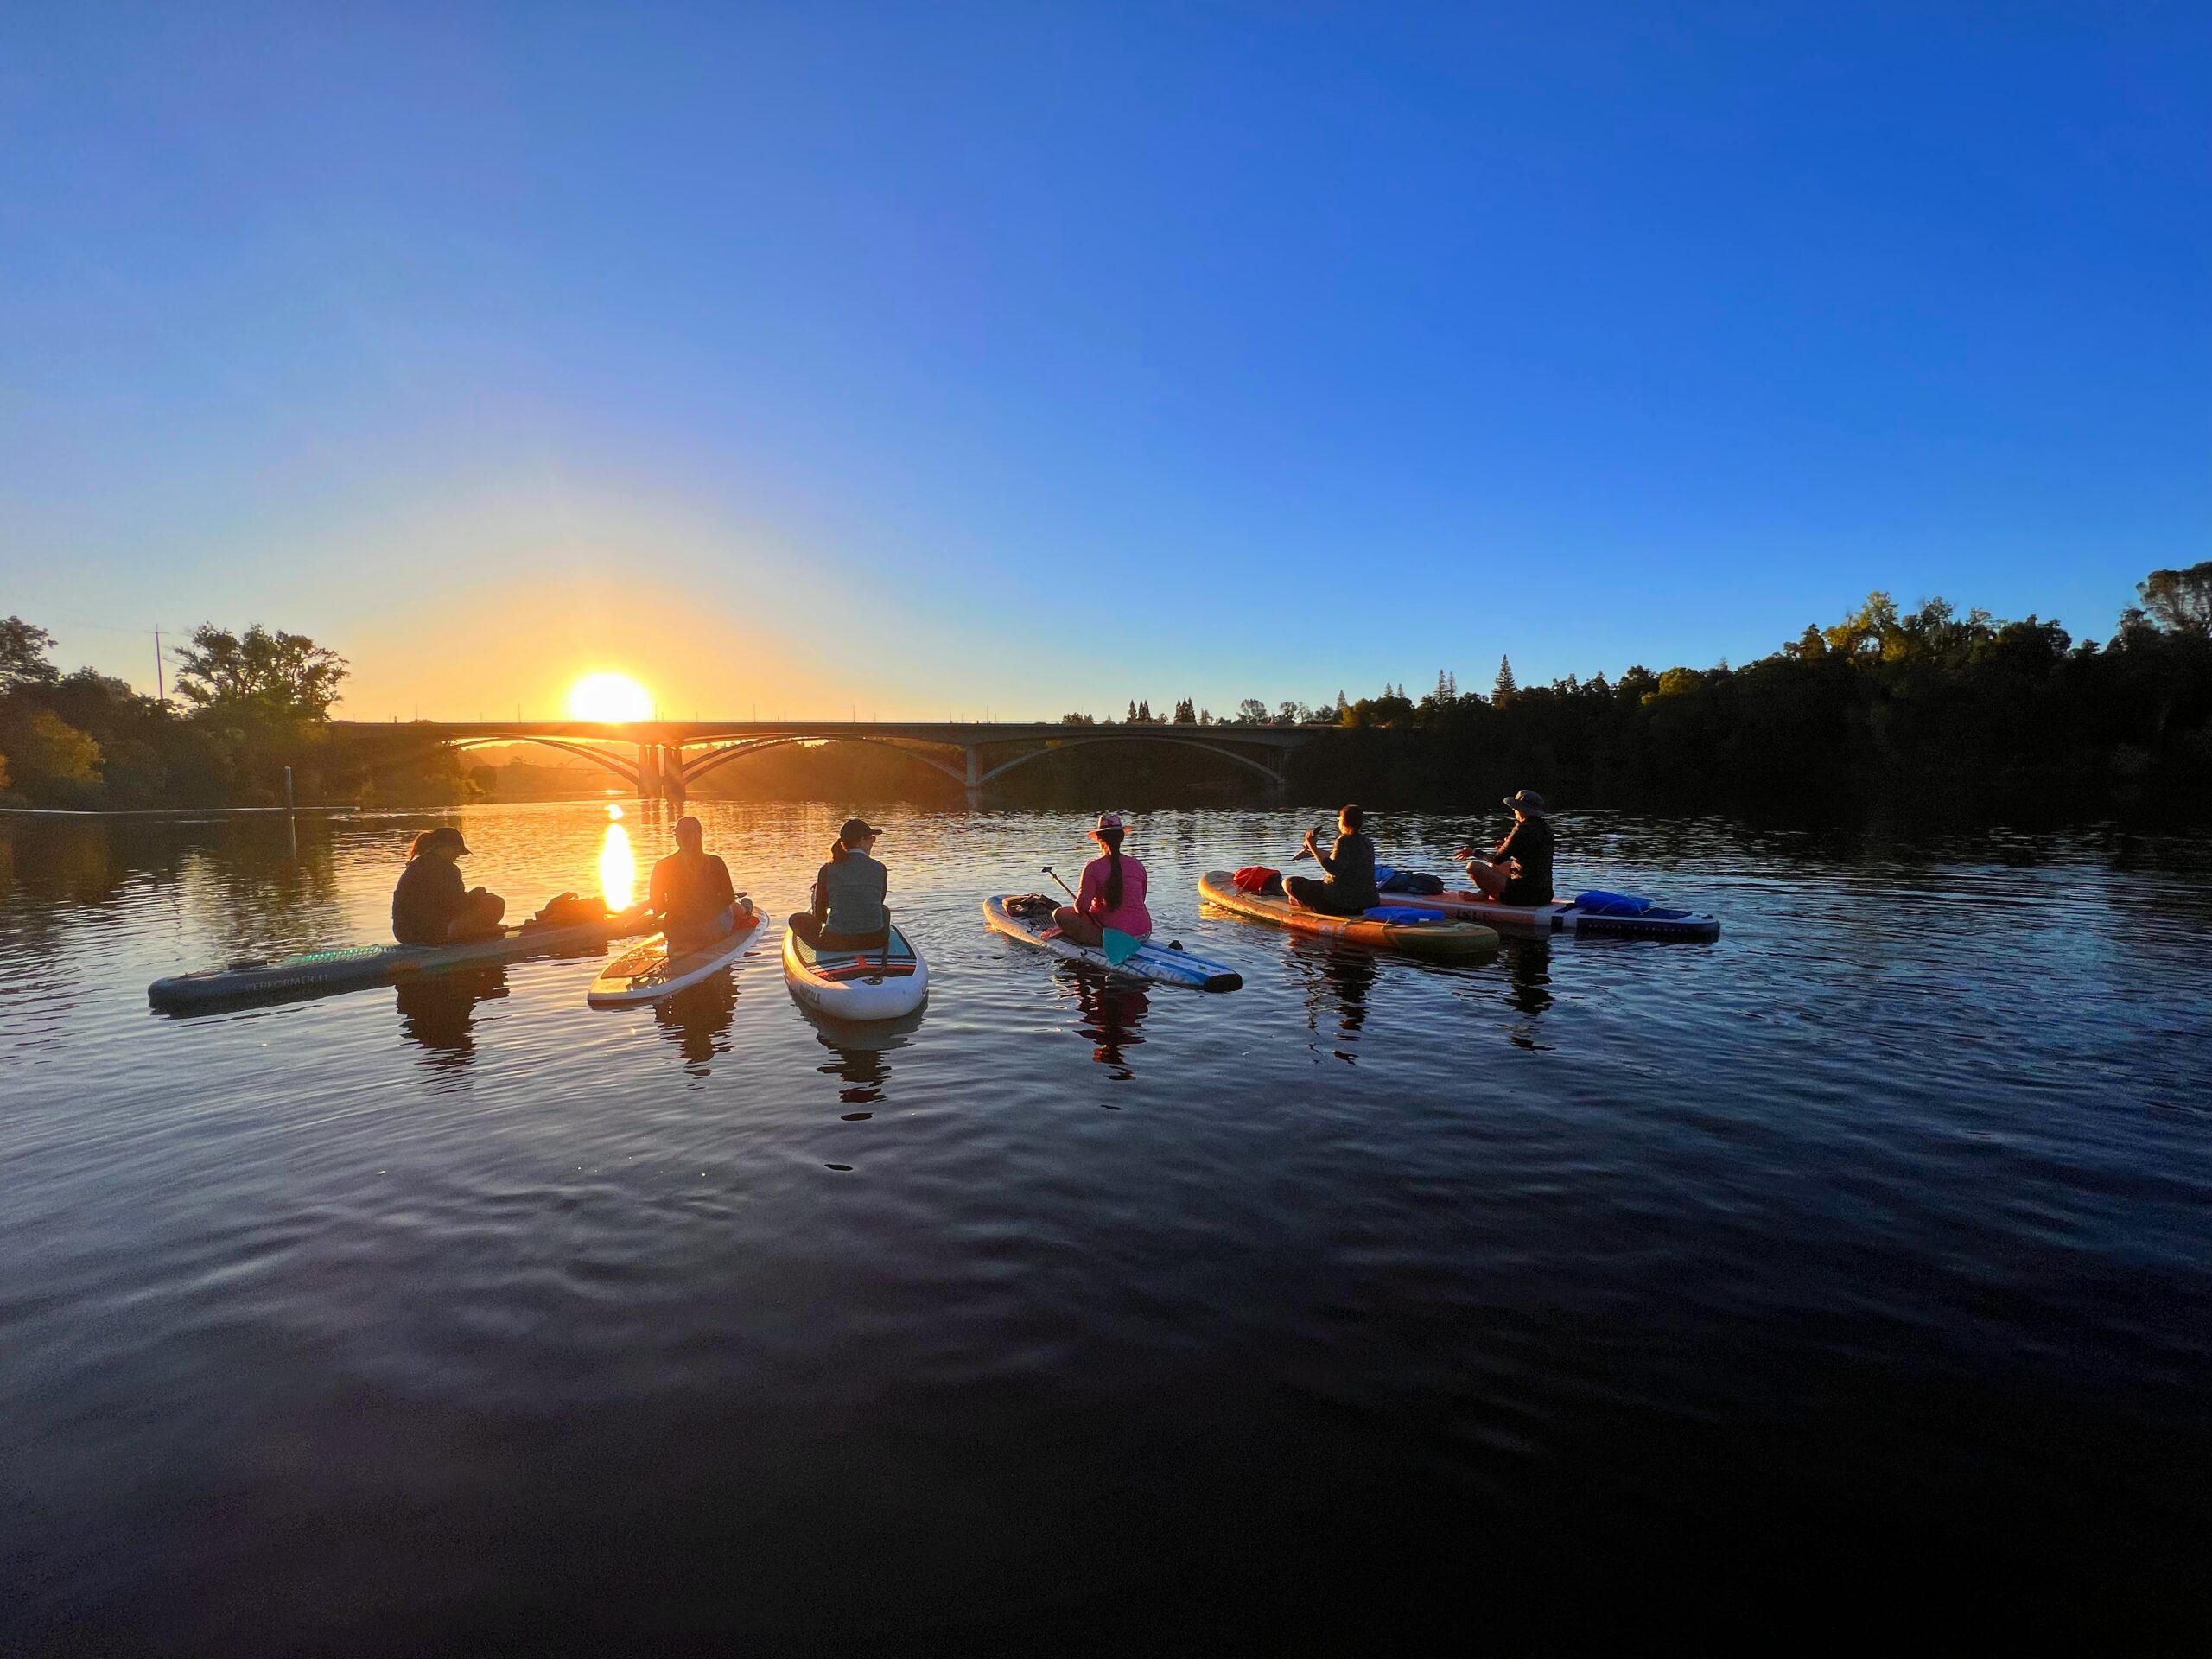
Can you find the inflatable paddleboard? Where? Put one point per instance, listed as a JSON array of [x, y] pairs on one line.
[[880, 982], [1442, 938], [1563, 916], [646, 972], [1160, 963], [355, 966]]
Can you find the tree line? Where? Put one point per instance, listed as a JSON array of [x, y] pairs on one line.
[[1926, 708], [246, 705]]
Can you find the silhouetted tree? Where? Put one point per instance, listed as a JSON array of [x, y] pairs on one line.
[[286, 675], [23, 654]]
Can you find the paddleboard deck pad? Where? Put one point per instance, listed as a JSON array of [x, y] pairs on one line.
[[1565, 916], [1444, 938], [355, 966], [1162, 964], [880, 982], [647, 972]]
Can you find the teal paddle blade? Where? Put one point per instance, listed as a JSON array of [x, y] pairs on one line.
[[1118, 946]]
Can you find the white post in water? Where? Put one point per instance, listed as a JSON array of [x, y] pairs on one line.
[[291, 823]]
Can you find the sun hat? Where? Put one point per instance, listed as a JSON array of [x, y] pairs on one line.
[[1107, 821], [1526, 800], [856, 830]]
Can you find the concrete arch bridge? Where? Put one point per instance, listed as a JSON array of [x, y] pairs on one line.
[[662, 759]]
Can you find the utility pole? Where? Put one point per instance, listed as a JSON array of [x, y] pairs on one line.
[[161, 688]]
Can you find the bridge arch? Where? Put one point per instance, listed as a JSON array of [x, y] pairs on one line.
[[714, 759], [623, 769], [1065, 744]]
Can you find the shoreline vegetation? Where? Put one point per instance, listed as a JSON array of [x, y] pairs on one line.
[[1926, 711]]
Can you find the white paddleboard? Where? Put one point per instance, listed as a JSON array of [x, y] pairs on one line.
[[649, 972], [1156, 962], [880, 982]]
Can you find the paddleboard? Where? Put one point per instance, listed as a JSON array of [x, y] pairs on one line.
[[881, 982], [1160, 963], [647, 972], [1443, 939], [353, 967], [1563, 916]]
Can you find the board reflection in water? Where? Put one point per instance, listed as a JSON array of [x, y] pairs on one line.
[[1110, 1011], [861, 1048], [439, 1011], [697, 1021]]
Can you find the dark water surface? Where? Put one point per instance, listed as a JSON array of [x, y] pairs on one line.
[[1864, 1254]]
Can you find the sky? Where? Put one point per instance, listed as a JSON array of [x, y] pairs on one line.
[[822, 360]]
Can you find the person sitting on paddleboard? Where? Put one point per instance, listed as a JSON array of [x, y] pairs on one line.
[[1110, 895], [1519, 868], [1349, 887], [690, 891], [848, 912], [429, 905]]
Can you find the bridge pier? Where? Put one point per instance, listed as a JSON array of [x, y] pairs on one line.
[[975, 776]]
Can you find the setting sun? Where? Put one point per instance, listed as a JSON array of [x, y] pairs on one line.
[[614, 698]]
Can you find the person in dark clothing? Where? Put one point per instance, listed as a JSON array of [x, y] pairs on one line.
[[429, 905], [1519, 868], [1349, 887], [690, 891], [848, 912]]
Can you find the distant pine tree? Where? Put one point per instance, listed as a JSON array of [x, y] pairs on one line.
[[1505, 687], [1144, 711], [1133, 711], [1341, 704]]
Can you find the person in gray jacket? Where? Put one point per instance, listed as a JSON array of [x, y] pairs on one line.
[[848, 912]]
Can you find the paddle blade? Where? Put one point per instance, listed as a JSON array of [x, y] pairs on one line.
[[1118, 946]]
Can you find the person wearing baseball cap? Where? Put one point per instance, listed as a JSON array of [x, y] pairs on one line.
[[1519, 868], [848, 912], [1110, 895], [429, 905]]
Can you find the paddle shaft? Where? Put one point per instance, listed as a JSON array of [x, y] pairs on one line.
[[1055, 874]]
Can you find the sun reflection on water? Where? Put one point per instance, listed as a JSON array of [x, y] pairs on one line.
[[618, 866]]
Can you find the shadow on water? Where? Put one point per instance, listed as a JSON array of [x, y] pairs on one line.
[[438, 1011], [697, 1021], [1110, 1011], [860, 1047]]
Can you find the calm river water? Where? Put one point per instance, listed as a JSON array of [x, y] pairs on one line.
[[1864, 1251]]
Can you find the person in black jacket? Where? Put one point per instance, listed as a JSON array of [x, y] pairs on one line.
[[1519, 868], [429, 905], [1349, 886]]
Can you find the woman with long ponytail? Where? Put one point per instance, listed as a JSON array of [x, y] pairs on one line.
[[848, 912], [1111, 893]]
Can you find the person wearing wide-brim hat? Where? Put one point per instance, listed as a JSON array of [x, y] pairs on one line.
[[1519, 868], [429, 905], [848, 912], [1110, 895]]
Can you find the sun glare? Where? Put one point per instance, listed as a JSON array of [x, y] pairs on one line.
[[614, 698], [617, 867]]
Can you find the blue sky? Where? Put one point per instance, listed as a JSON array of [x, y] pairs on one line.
[[1031, 358]]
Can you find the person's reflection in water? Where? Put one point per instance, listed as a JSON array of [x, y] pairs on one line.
[[1349, 975], [859, 1051], [698, 1019], [439, 1011], [1529, 988], [1109, 1011]]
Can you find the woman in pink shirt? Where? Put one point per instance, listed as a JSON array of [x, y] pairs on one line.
[[1110, 895]]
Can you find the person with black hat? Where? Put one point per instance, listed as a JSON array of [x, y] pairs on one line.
[[848, 912], [429, 905], [1519, 868]]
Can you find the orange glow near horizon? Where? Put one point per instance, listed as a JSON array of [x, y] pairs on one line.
[[614, 698]]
